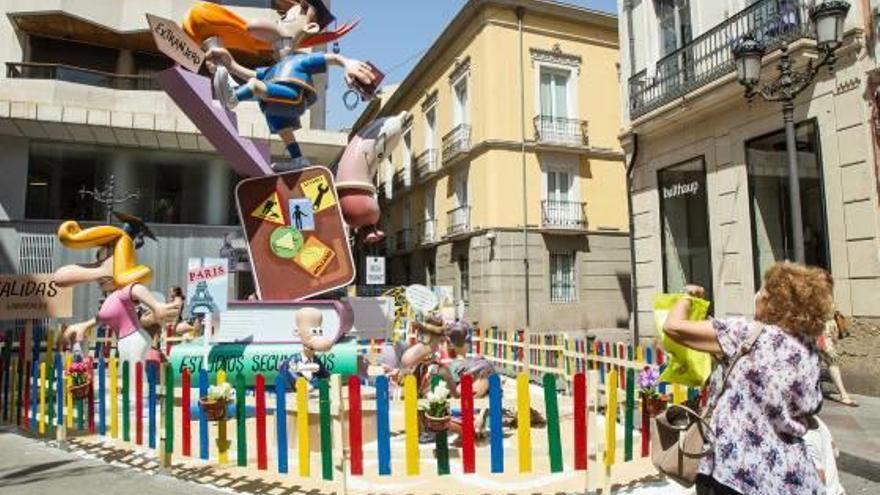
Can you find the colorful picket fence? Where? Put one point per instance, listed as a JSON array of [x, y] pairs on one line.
[[565, 356], [141, 405]]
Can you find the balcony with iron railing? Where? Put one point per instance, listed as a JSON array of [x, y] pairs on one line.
[[456, 143], [458, 221], [560, 130], [709, 56], [402, 178], [566, 215], [79, 75], [404, 240], [427, 163], [427, 231]]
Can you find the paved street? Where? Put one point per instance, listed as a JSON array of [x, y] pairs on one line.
[[28, 467]]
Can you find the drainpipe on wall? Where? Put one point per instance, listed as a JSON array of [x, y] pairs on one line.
[[520, 14], [633, 291]]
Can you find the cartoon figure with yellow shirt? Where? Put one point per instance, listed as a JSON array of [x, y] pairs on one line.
[[286, 89]]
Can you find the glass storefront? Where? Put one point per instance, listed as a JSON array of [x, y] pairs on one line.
[[173, 187], [767, 161], [684, 218]]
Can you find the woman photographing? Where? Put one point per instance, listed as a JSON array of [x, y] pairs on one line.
[[760, 416]]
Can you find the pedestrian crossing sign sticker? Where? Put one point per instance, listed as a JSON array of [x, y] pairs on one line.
[[270, 210], [318, 190]]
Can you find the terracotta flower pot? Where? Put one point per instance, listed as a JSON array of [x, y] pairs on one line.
[[653, 405], [81, 391], [436, 425], [214, 410]]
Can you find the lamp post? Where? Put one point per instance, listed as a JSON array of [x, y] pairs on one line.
[[106, 197], [828, 18]]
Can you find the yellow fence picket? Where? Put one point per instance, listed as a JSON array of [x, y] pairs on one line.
[[302, 426], [524, 423], [411, 416]]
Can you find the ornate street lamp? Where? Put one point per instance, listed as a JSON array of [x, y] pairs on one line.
[[748, 54], [828, 19]]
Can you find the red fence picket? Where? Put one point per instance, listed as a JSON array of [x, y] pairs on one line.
[[260, 392], [355, 426]]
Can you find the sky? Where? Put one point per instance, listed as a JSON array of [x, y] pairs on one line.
[[393, 34]]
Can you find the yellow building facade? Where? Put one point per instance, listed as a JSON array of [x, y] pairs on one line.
[[511, 155]]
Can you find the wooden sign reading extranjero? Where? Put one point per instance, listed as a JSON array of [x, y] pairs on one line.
[[33, 296], [174, 42]]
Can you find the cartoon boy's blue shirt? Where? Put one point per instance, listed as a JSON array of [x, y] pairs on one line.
[[290, 89], [296, 69]]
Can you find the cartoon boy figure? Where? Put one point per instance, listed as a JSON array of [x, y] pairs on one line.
[[285, 90]]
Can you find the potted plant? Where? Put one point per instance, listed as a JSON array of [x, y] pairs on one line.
[[652, 401], [436, 409], [81, 382], [214, 404]]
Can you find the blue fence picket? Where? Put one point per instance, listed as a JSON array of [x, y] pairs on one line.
[[649, 355], [59, 390], [383, 426], [152, 378], [662, 386], [281, 422], [203, 421], [102, 397], [601, 352], [496, 428]]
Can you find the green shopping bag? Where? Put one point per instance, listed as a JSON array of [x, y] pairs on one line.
[[684, 366]]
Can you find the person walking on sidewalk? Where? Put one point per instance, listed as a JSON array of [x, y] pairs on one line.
[[759, 419], [828, 348]]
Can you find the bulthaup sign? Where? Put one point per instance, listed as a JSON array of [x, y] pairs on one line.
[[34, 296]]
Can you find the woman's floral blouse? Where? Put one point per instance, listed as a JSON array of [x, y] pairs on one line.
[[758, 421]]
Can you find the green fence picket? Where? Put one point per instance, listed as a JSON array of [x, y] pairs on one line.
[[169, 410], [552, 410], [240, 421], [326, 443], [630, 411]]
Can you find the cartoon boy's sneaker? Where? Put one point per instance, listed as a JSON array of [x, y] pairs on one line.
[[224, 88]]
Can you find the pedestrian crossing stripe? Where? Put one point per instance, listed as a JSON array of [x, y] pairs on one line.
[[270, 210], [319, 190]]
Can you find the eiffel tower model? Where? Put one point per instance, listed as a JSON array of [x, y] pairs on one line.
[[202, 299]]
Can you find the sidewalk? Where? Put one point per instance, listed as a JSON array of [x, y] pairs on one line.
[[856, 431]]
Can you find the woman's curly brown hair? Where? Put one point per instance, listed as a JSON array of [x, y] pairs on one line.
[[798, 298]]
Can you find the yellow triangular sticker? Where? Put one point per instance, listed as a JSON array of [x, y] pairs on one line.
[[270, 210]]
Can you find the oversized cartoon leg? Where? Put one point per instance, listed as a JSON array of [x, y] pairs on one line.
[[134, 348]]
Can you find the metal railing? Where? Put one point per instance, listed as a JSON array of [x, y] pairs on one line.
[[402, 178], [404, 239], [426, 164], [458, 220], [563, 214], [709, 56], [560, 130], [427, 231], [456, 142], [79, 75]]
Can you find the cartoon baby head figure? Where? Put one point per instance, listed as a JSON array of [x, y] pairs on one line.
[[309, 327]]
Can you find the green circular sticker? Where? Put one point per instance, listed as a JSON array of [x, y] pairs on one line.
[[286, 242]]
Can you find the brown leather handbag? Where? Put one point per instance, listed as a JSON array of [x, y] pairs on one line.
[[681, 436]]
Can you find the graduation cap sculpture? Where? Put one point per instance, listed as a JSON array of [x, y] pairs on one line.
[[135, 228]]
